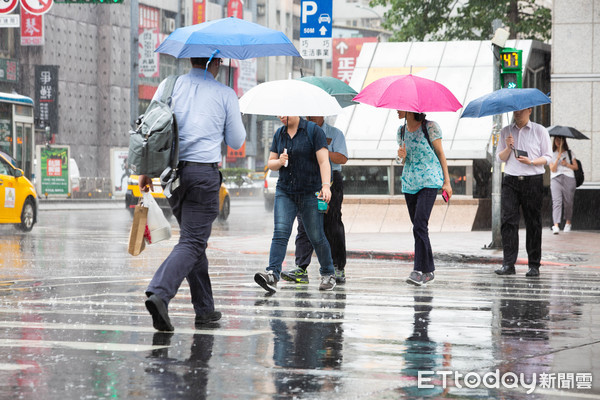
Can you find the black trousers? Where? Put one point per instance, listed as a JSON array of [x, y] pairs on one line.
[[334, 229], [525, 193], [195, 204]]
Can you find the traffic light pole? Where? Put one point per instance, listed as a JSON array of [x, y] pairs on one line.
[[496, 172]]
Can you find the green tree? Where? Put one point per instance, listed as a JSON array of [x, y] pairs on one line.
[[418, 20]]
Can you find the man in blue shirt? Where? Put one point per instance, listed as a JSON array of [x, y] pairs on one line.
[[332, 220], [207, 113]]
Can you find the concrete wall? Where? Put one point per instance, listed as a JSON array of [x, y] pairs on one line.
[[576, 76], [385, 214]]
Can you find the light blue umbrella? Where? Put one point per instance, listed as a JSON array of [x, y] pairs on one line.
[[504, 100], [227, 38]]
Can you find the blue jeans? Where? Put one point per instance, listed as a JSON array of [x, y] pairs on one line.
[[419, 206], [287, 206], [195, 204]]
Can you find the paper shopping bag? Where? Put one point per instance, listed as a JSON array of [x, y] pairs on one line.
[[138, 227]]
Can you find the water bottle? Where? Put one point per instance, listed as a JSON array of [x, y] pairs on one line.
[[400, 160], [321, 204]]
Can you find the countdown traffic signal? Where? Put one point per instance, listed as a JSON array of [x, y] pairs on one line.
[[511, 68]]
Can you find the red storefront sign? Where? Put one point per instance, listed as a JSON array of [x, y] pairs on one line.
[[32, 29], [345, 53], [199, 12], [235, 9]]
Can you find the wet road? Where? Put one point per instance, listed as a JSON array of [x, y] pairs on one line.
[[73, 325]]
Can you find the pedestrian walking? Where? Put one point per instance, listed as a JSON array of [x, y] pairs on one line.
[[332, 220], [425, 172], [207, 113], [299, 152], [562, 183], [525, 148]]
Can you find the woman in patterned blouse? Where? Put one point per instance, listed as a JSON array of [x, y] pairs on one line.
[[425, 172]]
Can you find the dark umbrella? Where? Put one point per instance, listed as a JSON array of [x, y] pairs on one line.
[[566, 131]]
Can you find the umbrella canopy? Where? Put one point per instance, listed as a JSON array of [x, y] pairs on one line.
[[335, 87], [504, 100], [566, 131], [408, 93], [229, 38], [288, 97]]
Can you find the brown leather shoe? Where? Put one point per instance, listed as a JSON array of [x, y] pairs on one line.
[[506, 270], [533, 272]]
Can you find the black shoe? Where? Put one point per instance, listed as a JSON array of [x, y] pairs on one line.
[[160, 316], [506, 270], [533, 272], [207, 318]]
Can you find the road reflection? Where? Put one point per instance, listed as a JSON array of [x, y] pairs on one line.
[[308, 344]]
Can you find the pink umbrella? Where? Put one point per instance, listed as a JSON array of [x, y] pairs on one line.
[[408, 93]]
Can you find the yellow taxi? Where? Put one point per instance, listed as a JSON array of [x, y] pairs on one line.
[[133, 194], [18, 200]]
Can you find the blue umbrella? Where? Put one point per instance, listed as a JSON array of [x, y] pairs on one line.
[[227, 38], [504, 100]]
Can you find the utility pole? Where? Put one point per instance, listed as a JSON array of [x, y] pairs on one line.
[[134, 52], [497, 165]]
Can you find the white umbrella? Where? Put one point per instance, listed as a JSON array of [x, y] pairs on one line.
[[288, 97]]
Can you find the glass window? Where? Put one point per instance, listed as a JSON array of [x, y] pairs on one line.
[[5, 169], [366, 179], [458, 179], [25, 111], [398, 179]]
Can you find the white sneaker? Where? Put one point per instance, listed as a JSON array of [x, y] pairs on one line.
[[567, 228], [555, 229]]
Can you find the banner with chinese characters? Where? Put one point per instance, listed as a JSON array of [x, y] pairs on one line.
[[345, 53], [53, 169], [148, 59], [235, 9], [199, 12], [32, 29], [46, 97], [8, 70], [149, 40]]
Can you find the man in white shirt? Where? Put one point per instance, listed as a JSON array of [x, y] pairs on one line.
[[525, 147]]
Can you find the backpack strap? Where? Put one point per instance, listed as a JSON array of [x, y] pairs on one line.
[[168, 90], [423, 128]]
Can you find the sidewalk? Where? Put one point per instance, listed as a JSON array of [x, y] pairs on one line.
[[580, 248]]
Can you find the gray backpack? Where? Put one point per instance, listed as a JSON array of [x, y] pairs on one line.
[[154, 145]]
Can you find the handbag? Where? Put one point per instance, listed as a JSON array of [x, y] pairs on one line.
[[138, 227], [159, 227]]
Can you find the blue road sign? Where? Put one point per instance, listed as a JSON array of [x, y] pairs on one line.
[[315, 18]]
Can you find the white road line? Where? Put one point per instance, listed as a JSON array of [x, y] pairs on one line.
[[94, 346], [14, 367], [126, 328]]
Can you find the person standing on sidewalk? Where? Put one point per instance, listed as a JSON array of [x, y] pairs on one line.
[[525, 148], [332, 220], [299, 152], [207, 113], [425, 172], [562, 183]]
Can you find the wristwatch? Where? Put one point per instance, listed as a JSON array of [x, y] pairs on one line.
[[531, 163]]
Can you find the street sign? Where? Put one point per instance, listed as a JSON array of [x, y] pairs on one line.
[[10, 21], [7, 6], [315, 28], [36, 7]]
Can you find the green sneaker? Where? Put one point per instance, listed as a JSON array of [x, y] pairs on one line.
[[340, 275], [297, 275]]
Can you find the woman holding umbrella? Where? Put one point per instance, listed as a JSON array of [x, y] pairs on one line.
[[425, 172], [562, 183]]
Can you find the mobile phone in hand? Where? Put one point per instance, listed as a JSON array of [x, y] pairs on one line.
[[445, 196]]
